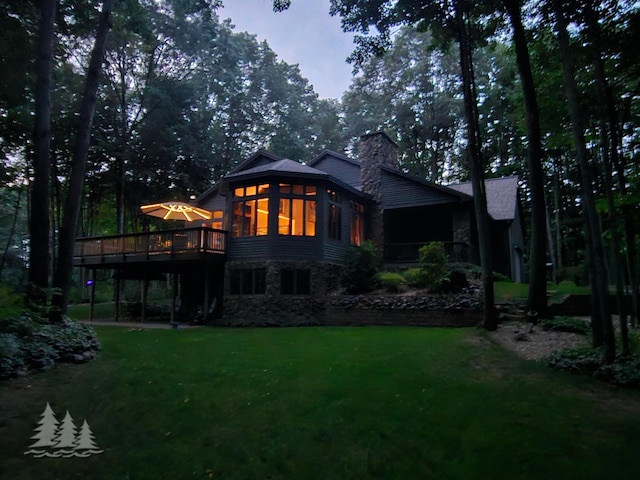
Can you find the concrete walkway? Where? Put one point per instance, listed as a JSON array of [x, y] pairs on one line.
[[108, 322]]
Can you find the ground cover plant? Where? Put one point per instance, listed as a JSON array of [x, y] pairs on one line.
[[317, 403]]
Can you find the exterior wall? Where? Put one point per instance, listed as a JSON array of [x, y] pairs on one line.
[[343, 170], [400, 192]]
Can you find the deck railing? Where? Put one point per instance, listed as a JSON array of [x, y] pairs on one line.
[[197, 239]]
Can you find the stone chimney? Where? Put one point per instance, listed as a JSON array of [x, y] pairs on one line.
[[376, 150]]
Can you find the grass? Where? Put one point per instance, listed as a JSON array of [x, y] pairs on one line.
[[321, 403], [509, 292]]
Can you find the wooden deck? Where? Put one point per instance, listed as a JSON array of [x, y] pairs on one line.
[[186, 244]]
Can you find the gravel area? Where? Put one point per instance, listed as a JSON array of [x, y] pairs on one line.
[[538, 344]]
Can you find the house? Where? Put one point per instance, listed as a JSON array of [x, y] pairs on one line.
[[281, 229]]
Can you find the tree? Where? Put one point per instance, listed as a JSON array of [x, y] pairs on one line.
[[39, 220], [537, 299], [62, 274], [601, 318]]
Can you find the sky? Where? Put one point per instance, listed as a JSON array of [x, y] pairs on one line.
[[305, 35]]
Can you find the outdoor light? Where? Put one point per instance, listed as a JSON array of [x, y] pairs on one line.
[[89, 283]]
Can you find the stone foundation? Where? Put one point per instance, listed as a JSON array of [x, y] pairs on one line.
[[283, 310]]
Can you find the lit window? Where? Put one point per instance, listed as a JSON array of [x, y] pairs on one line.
[[296, 213], [251, 214], [217, 219], [357, 223]]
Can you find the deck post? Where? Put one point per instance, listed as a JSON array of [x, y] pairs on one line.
[[174, 289], [117, 292], [145, 288], [207, 290], [92, 297]]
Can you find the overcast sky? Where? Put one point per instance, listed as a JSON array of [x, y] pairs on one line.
[[305, 35]]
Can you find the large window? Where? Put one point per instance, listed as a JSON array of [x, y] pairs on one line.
[[250, 211], [248, 281], [297, 210], [334, 216], [357, 223]]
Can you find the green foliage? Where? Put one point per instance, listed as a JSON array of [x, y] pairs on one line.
[[11, 303], [578, 360], [412, 276], [624, 371], [391, 281], [29, 342], [433, 266], [361, 267], [567, 324]]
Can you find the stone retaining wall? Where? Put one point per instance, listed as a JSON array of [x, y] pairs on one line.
[[433, 310]]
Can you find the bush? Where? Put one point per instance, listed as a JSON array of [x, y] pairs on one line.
[[433, 265], [567, 324], [361, 266], [579, 360], [29, 342], [624, 371], [391, 281]]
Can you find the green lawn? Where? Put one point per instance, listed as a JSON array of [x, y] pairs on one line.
[[322, 403]]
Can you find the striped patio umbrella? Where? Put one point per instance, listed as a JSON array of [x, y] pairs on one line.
[[176, 211]]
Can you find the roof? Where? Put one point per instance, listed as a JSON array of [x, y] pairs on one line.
[[502, 196], [284, 166]]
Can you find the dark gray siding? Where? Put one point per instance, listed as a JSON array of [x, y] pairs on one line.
[[287, 247], [348, 172], [217, 202], [400, 192], [249, 248], [334, 250]]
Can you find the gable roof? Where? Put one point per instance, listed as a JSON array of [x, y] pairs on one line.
[[502, 196], [284, 166]]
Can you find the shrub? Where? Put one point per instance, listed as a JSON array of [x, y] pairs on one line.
[[567, 324], [361, 266], [29, 342], [624, 371], [391, 281], [433, 265], [11, 303], [579, 360]]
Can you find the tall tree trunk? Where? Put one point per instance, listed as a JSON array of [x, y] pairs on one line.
[[537, 299], [62, 276], [608, 152], [474, 156], [601, 317], [39, 217]]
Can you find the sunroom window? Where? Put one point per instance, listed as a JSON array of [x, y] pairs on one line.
[[357, 223], [250, 211], [297, 210]]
